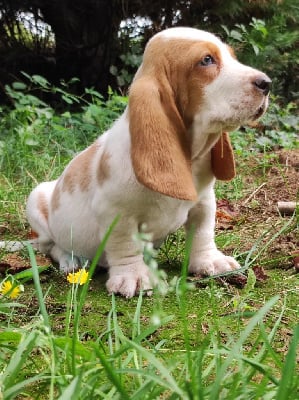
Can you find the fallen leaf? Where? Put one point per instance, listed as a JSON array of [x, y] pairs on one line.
[[238, 280], [260, 273], [225, 206], [42, 260], [14, 263], [225, 215], [32, 234], [295, 256]]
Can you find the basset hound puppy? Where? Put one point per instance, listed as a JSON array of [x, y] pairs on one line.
[[157, 165]]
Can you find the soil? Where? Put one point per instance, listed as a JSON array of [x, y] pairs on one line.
[[257, 214]]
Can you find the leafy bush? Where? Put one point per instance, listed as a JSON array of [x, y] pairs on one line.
[[130, 62], [270, 45], [278, 128], [32, 126]]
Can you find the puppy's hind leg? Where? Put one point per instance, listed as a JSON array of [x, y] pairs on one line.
[[37, 210], [68, 262]]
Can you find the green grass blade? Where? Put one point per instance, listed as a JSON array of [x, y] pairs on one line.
[[249, 261], [72, 390], [113, 376], [146, 388], [169, 381], [14, 390], [288, 386], [86, 286], [257, 366], [93, 267], [27, 274], [10, 337], [157, 382], [39, 293], [18, 359], [136, 320], [266, 350], [4, 306], [235, 351]]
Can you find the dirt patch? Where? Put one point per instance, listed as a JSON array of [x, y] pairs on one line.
[[15, 262], [256, 214], [280, 183]]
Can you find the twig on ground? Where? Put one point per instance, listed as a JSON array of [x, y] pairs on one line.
[[254, 193]]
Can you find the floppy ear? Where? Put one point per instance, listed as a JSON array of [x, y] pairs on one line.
[[160, 147], [222, 159]]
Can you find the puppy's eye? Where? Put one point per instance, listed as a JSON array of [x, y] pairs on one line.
[[207, 60]]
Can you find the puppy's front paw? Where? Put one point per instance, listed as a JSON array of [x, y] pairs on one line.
[[129, 280], [212, 262]]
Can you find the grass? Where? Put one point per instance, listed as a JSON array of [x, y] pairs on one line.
[[193, 339], [138, 349]]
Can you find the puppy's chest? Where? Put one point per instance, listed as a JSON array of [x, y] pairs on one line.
[[164, 216]]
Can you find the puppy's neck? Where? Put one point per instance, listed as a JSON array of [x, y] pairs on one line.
[[202, 143]]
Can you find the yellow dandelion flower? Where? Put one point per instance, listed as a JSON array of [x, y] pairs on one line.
[[8, 289], [80, 277]]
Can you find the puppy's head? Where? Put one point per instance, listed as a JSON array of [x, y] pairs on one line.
[[189, 85]]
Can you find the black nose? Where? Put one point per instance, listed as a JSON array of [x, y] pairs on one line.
[[263, 83]]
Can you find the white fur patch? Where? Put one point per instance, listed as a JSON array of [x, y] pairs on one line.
[[189, 34]]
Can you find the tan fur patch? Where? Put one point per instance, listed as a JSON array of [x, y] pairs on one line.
[[42, 205], [55, 201], [231, 51], [103, 171], [78, 172]]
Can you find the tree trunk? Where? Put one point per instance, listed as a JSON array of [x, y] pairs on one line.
[[85, 33]]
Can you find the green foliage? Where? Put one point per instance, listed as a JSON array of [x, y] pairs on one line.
[[32, 126], [281, 126], [278, 128], [130, 62], [270, 45], [101, 42], [247, 39]]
